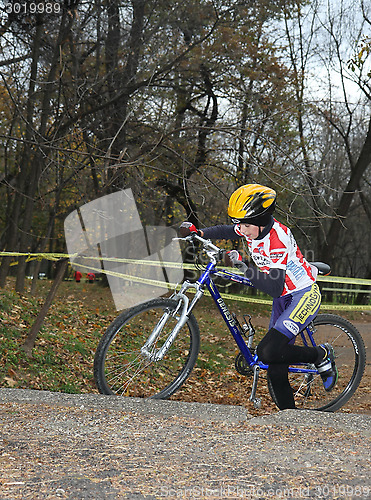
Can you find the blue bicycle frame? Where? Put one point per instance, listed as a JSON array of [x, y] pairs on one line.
[[206, 280]]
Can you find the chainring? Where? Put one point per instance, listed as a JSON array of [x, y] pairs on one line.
[[242, 366]]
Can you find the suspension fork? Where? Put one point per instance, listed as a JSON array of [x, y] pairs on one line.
[[185, 309]]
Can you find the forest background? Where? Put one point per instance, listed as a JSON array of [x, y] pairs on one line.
[[183, 102]]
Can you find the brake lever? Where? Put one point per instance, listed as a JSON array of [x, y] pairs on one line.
[[185, 238], [223, 257], [207, 245]]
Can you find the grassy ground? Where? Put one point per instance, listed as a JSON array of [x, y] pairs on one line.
[[64, 351]]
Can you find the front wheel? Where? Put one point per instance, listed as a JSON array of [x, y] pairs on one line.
[[120, 367], [350, 358]]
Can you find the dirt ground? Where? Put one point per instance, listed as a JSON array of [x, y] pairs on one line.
[[75, 447]]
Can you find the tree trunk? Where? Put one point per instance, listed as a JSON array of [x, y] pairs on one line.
[[42, 249], [337, 224], [119, 84], [35, 168], [32, 334], [26, 158]]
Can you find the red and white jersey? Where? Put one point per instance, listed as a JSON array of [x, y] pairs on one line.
[[278, 249]]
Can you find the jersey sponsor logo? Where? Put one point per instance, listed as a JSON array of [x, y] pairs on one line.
[[297, 271], [261, 260], [307, 305], [259, 249], [276, 256], [291, 326]]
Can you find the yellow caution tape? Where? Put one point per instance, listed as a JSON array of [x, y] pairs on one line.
[[174, 265], [348, 281], [174, 286], [227, 296]]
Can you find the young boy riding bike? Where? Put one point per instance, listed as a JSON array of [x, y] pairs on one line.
[[282, 272]]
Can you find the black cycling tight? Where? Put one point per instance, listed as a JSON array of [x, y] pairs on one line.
[[275, 351]]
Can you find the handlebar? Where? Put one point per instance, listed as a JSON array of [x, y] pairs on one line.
[[216, 253], [206, 243], [212, 250]]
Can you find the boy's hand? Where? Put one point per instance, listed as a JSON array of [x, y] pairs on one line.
[[186, 228], [235, 260]]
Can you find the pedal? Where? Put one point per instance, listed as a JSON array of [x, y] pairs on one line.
[[257, 402]]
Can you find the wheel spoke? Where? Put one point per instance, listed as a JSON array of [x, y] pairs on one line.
[[120, 367], [350, 358], [342, 336]]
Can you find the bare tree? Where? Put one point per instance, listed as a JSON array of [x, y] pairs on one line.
[[320, 39]]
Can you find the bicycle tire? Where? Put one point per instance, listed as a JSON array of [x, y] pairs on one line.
[[121, 369], [350, 358]]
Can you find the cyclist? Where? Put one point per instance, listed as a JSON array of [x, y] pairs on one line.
[[281, 271]]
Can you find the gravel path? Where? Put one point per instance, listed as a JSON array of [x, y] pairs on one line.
[[97, 447]]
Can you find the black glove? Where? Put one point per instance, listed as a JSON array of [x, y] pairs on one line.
[[233, 258], [186, 228]]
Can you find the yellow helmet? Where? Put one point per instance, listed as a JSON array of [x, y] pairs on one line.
[[252, 204]]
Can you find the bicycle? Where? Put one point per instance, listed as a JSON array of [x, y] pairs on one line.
[[150, 350]]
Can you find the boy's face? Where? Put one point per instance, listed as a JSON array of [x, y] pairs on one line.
[[249, 230]]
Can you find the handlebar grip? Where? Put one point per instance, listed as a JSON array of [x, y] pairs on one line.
[[184, 231]]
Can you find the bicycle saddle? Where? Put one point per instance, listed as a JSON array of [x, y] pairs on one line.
[[323, 268]]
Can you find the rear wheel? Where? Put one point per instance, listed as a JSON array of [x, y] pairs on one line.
[[350, 358], [120, 367]]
